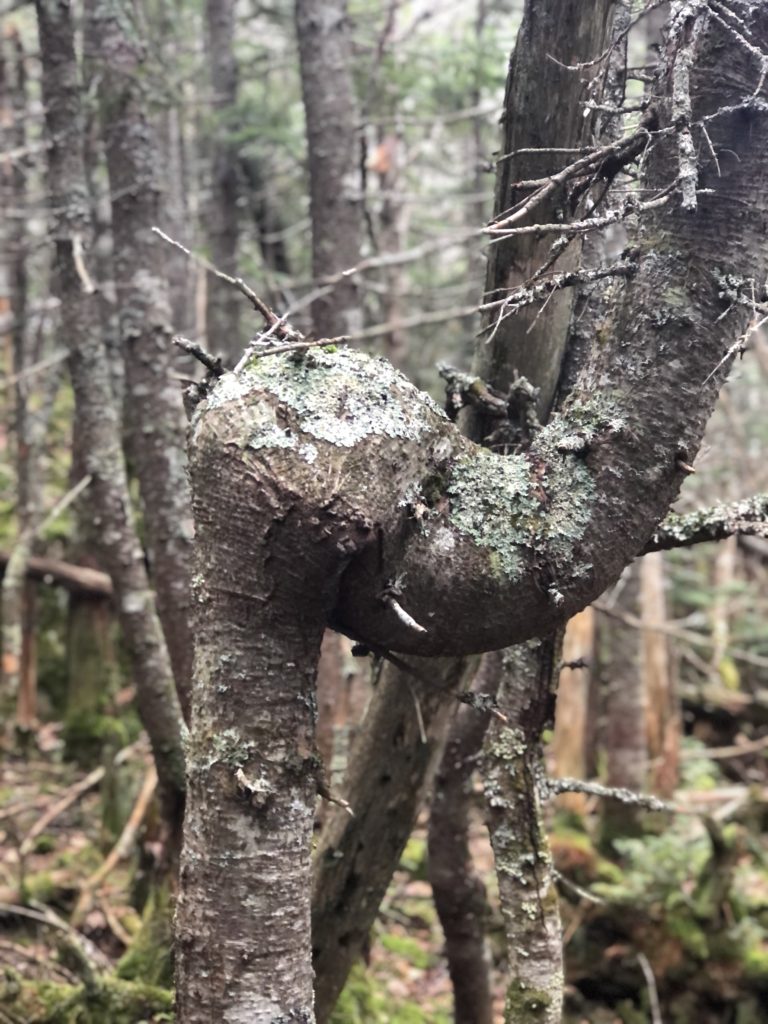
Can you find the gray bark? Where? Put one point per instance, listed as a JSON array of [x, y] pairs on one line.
[[458, 891], [528, 123], [13, 300], [221, 215], [626, 743], [154, 406], [356, 500], [571, 32], [334, 188], [243, 920], [512, 772], [391, 766], [96, 416]]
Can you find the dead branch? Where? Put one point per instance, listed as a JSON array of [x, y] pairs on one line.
[[120, 850], [78, 579], [71, 796], [677, 530], [269, 316]]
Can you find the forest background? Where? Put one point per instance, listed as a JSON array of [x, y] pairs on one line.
[[664, 905]]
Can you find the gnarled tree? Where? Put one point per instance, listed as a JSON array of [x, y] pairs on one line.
[[327, 489]]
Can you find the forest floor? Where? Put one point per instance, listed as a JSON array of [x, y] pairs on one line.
[[681, 916]]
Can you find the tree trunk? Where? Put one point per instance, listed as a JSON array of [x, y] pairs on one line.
[[243, 922], [13, 304], [662, 713], [332, 140], [626, 737], [153, 398], [94, 408], [458, 891], [512, 771], [571, 733], [528, 124], [571, 32], [221, 214], [394, 755], [359, 502]]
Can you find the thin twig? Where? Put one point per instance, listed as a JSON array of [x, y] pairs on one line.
[[78, 258], [45, 364], [120, 850], [619, 37], [580, 891], [653, 992], [419, 715], [296, 346], [406, 619], [70, 797], [624, 796], [261, 307], [212, 363], [64, 502]]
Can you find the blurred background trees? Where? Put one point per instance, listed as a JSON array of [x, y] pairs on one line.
[[226, 126]]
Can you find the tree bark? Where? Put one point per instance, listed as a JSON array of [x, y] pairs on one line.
[[568, 749], [332, 140], [510, 352], [221, 214], [243, 922], [426, 543], [512, 771], [154, 405], [394, 755], [458, 891], [662, 717], [571, 32], [94, 406]]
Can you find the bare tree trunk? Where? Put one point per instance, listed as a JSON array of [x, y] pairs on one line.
[[335, 212], [269, 226], [332, 138], [394, 755], [571, 32], [221, 214], [571, 733], [13, 304], [261, 610], [154, 406], [458, 891], [94, 406], [626, 738], [662, 713], [529, 123], [513, 770]]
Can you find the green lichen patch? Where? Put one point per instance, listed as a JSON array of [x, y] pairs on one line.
[[339, 397], [479, 488], [525, 1003]]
